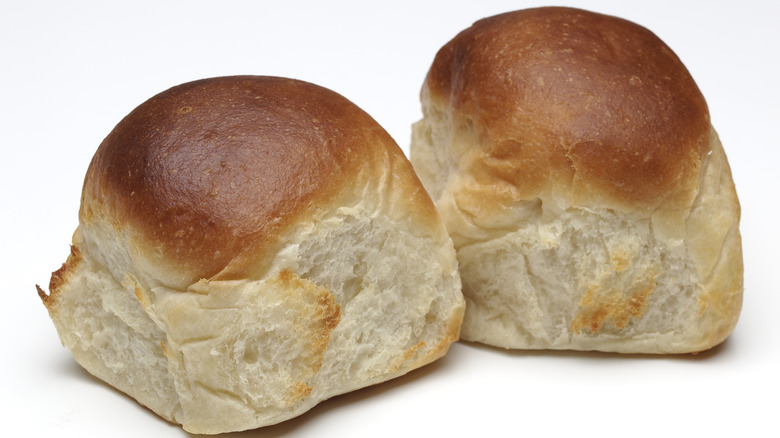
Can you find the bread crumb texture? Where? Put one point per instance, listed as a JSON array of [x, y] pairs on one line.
[[226, 355]]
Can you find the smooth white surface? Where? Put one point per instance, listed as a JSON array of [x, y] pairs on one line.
[[70, 70]]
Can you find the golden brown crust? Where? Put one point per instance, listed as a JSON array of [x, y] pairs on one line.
[[595, 105], [212, 171], [321, 318], [60, 277]]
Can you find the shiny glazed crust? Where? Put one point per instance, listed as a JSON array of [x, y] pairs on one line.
[[592, 105], [210, 173]]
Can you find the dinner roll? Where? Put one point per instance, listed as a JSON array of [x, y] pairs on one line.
[[573, 161], [248, 247]]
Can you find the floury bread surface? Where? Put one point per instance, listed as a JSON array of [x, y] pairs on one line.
[[248, 247], [573, 161]]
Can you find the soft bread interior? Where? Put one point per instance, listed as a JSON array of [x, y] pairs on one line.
[[543, 273], [351, 300]]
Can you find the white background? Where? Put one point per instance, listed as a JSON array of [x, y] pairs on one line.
[[70, 70]]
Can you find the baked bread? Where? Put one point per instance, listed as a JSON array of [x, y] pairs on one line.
[[572, 158], [248, 247]]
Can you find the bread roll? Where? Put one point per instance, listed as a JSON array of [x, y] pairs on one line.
[[572, 158], [248, 247]]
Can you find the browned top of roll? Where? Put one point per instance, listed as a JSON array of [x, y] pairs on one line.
[[210, 172], [562, 96]]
